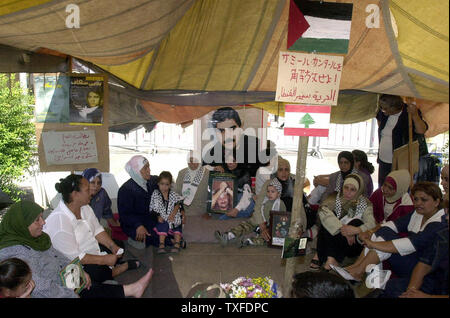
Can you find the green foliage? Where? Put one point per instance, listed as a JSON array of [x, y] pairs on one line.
[[17, 135]]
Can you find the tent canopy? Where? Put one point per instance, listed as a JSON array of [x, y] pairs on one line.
[[170, 55]]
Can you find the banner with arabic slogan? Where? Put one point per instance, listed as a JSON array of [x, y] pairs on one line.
[[308, 78]]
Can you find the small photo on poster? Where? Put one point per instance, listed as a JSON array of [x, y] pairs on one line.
[[222, 195], [86, 99]]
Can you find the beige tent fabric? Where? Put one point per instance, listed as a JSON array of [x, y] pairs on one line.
[[107, 28]]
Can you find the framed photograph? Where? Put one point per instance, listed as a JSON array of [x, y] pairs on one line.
[[222, 192], [279, 224], [72, 276]]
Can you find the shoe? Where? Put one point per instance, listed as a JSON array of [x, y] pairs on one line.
[[221, 237], [161, 249], [183, 244], [175, 248], [245, 242], [377, 277], [316, 264]]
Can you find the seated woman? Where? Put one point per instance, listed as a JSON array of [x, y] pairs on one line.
[[327, 184], [75, 231], [403, 253], [429, 278], [100, 201], [192, 183], [21, 236], [287, 180], [343, 215], [444, 178], [392, 200], [133, 203], [365, 169]]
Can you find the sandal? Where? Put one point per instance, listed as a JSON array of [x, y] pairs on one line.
[[161, 249], [132, 263], [316, 264], [175, 248]]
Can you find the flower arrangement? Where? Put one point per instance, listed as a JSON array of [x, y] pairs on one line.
[[245, 287]]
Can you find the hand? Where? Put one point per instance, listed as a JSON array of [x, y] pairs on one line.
[[110, 259], [229, 191], [414, 293], [160, 219], [171, 218], [232, 213], [141, 232], [219, 169], [365, 235], [412, 108], [368, 243], [88, 281], [350, 240], [348, 230], [27, 293], [114, 249], [264, 232]]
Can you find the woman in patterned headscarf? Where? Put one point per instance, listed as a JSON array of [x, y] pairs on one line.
[[343, 215]]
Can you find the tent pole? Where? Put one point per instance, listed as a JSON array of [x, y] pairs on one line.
[[298, 216], [409, 100]]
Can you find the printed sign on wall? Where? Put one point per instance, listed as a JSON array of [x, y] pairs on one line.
[[308, 78]]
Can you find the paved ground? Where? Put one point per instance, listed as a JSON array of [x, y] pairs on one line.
[[202, 262]]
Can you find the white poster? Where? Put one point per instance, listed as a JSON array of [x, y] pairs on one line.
[[308, 78], [70, 147]]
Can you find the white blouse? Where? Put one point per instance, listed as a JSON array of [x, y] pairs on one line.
[[71, 236]]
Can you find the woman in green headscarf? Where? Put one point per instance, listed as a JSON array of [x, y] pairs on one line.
[[21, 236], [16, 224]]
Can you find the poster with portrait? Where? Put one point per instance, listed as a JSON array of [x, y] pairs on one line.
[[279, 224], [222, 192], [86, 99], [51, 93]]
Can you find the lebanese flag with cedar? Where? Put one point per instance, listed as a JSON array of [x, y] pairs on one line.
[[303, 120]]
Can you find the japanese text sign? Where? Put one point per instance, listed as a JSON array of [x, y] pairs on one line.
[[308, 78]]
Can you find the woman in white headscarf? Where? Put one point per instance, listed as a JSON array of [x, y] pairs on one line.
[[133, 202], [343, 215]]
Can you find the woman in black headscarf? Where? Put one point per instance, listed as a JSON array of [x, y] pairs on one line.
[[346, 164]]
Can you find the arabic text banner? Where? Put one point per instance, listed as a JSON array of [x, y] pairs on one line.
[[308, 78]]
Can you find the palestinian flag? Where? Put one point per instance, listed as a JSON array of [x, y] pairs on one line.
[[329, 27]]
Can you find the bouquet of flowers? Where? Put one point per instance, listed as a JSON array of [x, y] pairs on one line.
[[245, 287]]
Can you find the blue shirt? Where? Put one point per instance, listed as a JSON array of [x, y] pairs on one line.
[[101, 204]]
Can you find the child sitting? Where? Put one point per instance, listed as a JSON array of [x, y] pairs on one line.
[[15, 279], [259, 220], [168, 205]]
